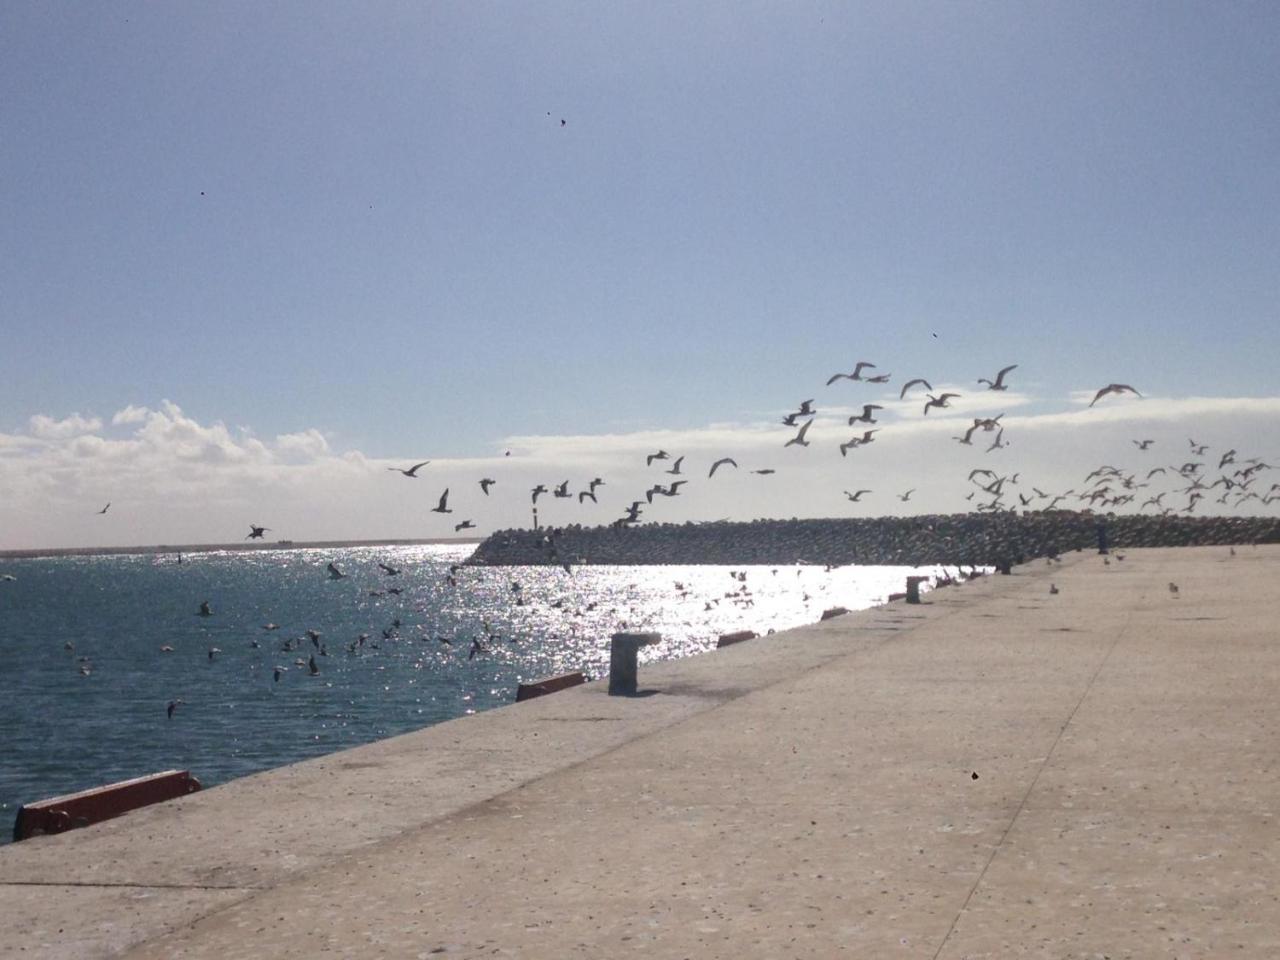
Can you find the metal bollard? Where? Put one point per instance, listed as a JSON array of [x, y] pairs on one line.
[[913, 589], [622, 661]]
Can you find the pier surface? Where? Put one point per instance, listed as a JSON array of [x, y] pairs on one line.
[[996, 772]]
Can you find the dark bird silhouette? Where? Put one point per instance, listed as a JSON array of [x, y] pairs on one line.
[[255, 533], [968, 436], [856, 375], [1142, 444], [562, 490], [172, 708], [597, 482], [675, 467], [720, 463], [806, 409], [766, 471], [538, 491], [485, 484], [105, 509], [412, 471], [205, 609], [464, 525], [799, 437], [865, 416], [855, 497], [587, 495], [633, 512], [942, 401], [1113, 388], [998, 383], [878, 378], [904, 497], [443, 505], [660, 455], [911, 383], [389, 571], [334, 572]]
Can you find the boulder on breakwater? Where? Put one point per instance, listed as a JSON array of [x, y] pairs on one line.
[[980, 539]]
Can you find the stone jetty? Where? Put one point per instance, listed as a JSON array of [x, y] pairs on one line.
[[1072, 761], [982, 539]]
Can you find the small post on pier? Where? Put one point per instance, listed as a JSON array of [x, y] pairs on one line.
[[913, 589], [622, 661], [1102, 537]]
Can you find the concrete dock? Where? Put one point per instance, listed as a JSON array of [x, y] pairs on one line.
[[999, 771]]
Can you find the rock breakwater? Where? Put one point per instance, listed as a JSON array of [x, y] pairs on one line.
[[952, 539]]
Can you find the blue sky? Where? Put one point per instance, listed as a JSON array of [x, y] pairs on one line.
[[367, 221]]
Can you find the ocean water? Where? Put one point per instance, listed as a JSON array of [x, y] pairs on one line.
[[85, 683]]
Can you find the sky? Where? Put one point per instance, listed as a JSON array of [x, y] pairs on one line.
[[254, 255]]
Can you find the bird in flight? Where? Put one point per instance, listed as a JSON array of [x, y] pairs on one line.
[[878, 378], [442, 506], [865, 416], [255, 532], [765, 471], [538, 491], [660, 455], [720, 463], [799, 437], [562, 490], [941, 401], [855, 497], [1143, 444], [464, 525], [597, 482], [998, 442], [106, 508], [412, 471], [675, 467], [806, 409], [904, 497], [998, 383], [856, 375], [485, 484], [334, 572], [911, 383], [1113, 388], [968, 434], [390, 571], [856, 442], [587, 494]]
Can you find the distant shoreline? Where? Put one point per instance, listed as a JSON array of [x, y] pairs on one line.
[[162, 548]]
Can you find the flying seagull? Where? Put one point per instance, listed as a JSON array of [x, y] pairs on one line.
[[941, 401], [1143, 444], [866, 416], [562, 490], [720, 463], [412, 471], [765, 471], [584, 495], [485, 484], [660, 455], [255, 533], [464, 525], [799, 437], [911, 383], [856, 375], [675, 467], [538, 491], [1113, 388], [106, 508], [334, 572], [968, 434], [806, 409], [855, 497], [904, 497], [878, 378], [999, 383], [442, 506]]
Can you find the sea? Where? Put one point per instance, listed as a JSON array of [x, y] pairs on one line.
[[109, 670]]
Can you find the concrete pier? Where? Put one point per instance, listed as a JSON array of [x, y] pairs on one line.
[[994, 772]]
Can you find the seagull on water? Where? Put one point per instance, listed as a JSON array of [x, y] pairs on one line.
[[1113, 388], [412, 471], [720, 463], [998, 383], [334, 572], [390, 571], [205, 609], [442, 506], [173, 706]]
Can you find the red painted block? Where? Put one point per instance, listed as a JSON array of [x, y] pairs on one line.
[[100, 803], [538, 688]]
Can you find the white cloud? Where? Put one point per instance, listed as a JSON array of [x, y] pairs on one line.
[[130, 414], [47, 428]]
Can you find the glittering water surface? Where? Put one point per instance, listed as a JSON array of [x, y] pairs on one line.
[[84, 682]]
